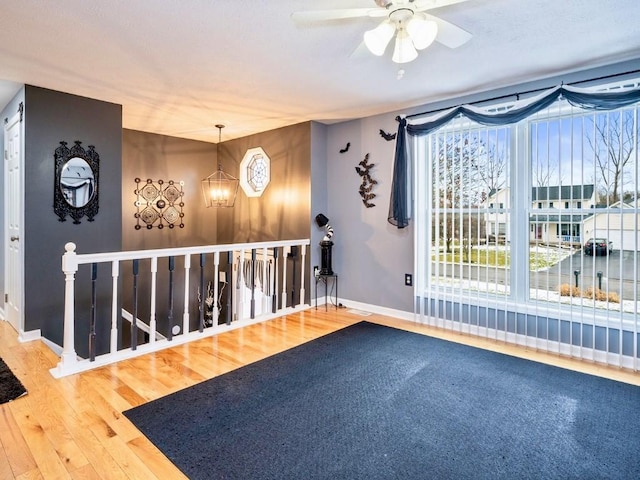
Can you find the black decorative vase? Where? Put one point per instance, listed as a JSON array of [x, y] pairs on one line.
[[325, 268]]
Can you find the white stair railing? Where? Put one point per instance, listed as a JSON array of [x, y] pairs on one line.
[[271, 277]]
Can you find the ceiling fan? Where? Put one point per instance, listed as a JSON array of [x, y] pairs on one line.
[[406, 19]]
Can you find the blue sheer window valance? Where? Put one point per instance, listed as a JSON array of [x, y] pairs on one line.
[[399, 205]]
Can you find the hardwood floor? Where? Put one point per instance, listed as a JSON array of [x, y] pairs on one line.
[[73, 428]]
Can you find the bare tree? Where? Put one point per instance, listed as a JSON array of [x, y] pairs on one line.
[[467, 170], [490, 165], [542, 174], [612, 137]]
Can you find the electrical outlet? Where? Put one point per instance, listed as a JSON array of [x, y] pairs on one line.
[[222, 277], [408, 279], [315, 271]]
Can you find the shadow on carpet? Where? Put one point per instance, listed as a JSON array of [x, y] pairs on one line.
[[10, 387], [374, 402]]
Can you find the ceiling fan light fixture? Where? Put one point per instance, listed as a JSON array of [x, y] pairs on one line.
[[404, 51], [377, 39], [423, 32]]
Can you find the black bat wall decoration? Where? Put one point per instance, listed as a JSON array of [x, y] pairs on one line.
[[387, 136], [345, 149], [367, 181]]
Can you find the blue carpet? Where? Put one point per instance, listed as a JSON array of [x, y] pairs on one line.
[[373, 402]]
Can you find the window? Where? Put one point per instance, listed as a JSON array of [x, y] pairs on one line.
[[255, 172], [526, 259]]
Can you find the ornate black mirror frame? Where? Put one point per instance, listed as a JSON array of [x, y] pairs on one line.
[[61, 207]]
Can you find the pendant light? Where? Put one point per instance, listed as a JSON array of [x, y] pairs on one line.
[[219, 189]]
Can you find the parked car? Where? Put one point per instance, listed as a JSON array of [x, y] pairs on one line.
[[598, 246]]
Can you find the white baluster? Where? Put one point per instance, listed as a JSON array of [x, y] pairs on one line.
[[216, 282], [285, 254], [240, 288], [115, 272], [185, 314], [303, 253], [152, 313], [265, 280]]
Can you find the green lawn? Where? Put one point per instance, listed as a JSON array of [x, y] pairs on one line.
[[538, 259]]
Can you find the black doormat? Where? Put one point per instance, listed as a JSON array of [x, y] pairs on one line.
[[373, 402], [10, 386]]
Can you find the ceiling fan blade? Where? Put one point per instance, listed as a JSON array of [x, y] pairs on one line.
[[448, 34], [337, 14], [424, 5]]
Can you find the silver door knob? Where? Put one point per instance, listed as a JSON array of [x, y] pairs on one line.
[[15, 239]]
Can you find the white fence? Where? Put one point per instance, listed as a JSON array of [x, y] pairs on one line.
[[257, 281]]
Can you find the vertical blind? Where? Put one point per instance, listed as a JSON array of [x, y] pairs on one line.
[[528, 232]]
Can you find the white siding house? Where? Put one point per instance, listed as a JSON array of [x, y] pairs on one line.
[[618, 223], [567, 215]]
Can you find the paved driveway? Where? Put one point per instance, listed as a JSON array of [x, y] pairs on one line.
[[619, 271]]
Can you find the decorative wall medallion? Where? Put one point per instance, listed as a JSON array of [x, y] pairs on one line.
[[159, 205], [367, 181]]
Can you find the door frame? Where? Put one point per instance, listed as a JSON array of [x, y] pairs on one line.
[[8, 124]]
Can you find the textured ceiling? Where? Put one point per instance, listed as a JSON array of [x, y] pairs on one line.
[[180, 67]]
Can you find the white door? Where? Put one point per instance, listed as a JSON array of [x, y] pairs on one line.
[[13, 224]]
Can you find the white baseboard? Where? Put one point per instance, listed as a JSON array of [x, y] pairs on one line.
[[54, 347], [29, 336], [389, 312]]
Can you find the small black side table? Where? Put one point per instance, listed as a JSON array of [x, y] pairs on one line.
[[325, 279]]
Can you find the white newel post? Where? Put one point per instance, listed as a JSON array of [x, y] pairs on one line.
[[69, 267]]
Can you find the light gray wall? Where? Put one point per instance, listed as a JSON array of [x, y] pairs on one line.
[[7, 112], [52, 117], [319, 200], [370, 255]]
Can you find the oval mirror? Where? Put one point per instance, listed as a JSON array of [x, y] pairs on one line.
[[77, 182]]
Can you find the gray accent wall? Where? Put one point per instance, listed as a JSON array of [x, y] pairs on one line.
[[52, 117], [164, 158], [281, 213], [283, 210], [160, 157]]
